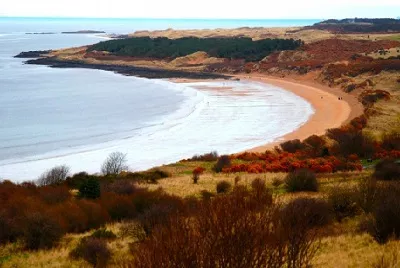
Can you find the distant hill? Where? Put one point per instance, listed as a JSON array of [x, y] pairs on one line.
[[359, 25]]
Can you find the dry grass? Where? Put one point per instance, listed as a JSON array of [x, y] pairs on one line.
[[352, 250], [13, 255]]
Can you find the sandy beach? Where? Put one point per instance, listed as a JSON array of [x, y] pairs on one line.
[[329, 111]]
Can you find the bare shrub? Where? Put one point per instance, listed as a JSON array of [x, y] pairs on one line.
[[315, 145], [115, 163], [54, 176], [301, 180], [133, 229], [223, 187], [206, 195], [41, 231], [387, 169], [233, 223], [344, 202], [386, 214], [300, 219], [391, 141], [224, 161], [351, 141], [93, 250], [122, 187], [367, 193], [54, 194]]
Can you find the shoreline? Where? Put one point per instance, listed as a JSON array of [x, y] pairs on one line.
[[329, 111]]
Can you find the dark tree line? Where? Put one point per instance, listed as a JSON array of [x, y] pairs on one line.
[[162, 48]]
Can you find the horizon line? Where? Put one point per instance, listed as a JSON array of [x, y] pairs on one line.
[[149, 18]]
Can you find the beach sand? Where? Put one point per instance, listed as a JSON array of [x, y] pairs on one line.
[[329, 111]]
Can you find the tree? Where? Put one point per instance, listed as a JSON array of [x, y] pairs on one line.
[[90, 188], [114, 164], [56, 175]]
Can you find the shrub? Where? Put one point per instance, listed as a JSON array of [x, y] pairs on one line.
[[150, 176], [41, 230], [315, 145], [54, 194], [391, 141], [224, 161], [54, 176], [223, 187], [114, 164], [208, 157], [386, 214], [292, 146], [122, 187], [77, 179], [196, 174], [217, 240], [367, 194], [301, 180], [119, 207], [350, 140], [103, 233], [299, 219], [344, 202], [387, 169], [95, 213], [206, 195], [133, 229], [315, 212], [90, 188], [93, 250]]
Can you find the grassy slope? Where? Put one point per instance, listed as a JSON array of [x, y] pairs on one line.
[[344, 247]]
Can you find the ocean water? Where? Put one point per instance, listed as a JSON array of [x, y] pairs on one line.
[[77, 117]]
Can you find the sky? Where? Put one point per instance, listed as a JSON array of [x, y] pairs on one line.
[[221, 9]]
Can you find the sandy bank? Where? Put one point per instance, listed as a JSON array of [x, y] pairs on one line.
[[329, 111]]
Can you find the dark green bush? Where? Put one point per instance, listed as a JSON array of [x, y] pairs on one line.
[[90, 188], [301, 180]]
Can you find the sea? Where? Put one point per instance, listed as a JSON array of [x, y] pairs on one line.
[[77, 117]]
